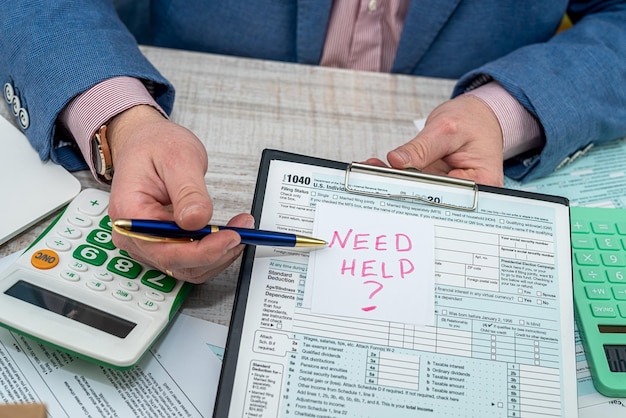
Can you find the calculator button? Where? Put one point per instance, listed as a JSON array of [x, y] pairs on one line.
[[59, 244], [583, 242], [80, 221], [93, 206], [598, 292], [96, 285], [622, 309], [129, 285], [614, 259], [159, 281], [619, 292], [70, 275], [89, 254], [591, 275], [122, 294], [78, 266], [148, 305], [68, 231], [621, 228], [44, 259], [616, 275], [602, 228], [103, 275], [101, 238], [124, 267], [105, 223], [580, 227], [587, 258], [609, 243], [603, 310], [154, 295]]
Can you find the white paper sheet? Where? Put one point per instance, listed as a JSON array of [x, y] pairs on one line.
[[376, 266]]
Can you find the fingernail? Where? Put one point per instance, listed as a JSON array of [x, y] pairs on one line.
[[402, 155], [190, 211], [232, 245]]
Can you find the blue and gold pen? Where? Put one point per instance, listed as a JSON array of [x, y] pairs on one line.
[[168, 231]]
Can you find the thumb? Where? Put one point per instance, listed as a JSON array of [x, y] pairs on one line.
[[191, 203], [418, 153]]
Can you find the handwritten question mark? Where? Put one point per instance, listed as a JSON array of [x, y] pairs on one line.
[[380, 286]]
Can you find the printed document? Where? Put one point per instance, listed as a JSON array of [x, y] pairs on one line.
[[502, 341]]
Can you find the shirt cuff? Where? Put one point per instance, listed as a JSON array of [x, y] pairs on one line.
[[521, 132], [87, 112]]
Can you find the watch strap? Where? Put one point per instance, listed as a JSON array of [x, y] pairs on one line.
[[101, 155]]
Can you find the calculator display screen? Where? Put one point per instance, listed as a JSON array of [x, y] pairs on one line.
[[70, 308], [612, 329]]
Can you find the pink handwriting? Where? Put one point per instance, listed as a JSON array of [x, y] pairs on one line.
[[366, 241], [372, 268], [378, 289]]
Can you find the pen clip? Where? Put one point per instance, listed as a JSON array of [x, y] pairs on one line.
[[148, 237]]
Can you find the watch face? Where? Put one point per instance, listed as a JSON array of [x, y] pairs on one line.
[[96, 155]]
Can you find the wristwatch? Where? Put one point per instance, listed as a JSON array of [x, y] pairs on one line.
[[101, 155]]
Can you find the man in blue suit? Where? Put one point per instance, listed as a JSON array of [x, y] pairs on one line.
[[570, 89]]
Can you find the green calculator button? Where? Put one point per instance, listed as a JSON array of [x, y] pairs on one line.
[[602, 227], [124, 253], [587, 258], [157, 280], [621, 228], [619, 292], [583, 242], [124, 267], [106, 223], [591, 275], [603, 310], [101, 238], [598, 292], [614, 259], [609, 243], [616, 275], [90, 255], [579, 227], [622, 309]]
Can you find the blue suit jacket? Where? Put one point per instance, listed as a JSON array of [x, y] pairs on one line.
[[574, 83]]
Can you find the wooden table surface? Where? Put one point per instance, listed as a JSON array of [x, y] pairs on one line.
[[238, 107]]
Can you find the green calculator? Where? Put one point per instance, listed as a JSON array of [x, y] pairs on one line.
[[73, 289], [599, 269]]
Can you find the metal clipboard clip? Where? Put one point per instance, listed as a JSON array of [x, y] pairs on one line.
[[414, 175]]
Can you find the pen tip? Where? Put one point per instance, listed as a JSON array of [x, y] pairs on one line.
[[309, 242]]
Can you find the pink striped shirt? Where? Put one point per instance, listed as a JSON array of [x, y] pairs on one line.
[[364, 35], [361, 35]]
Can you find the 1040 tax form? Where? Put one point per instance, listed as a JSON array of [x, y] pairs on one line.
[[429, 300]]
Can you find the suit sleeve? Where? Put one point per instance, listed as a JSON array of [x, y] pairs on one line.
[[55, 50], [574, 84]]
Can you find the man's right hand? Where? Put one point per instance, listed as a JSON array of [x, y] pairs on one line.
[[159, 174]]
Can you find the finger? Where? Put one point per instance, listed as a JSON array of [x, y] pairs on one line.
[[420, 152], [375, 161], [188, 193]]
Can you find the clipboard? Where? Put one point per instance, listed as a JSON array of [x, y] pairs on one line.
[[502, 344]]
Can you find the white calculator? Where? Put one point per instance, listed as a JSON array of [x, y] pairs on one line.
[[73, 289]]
